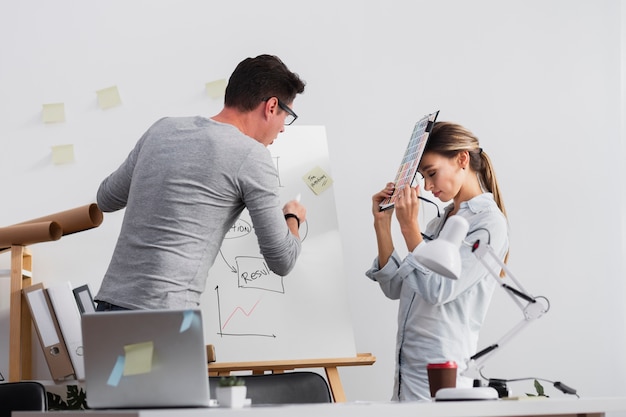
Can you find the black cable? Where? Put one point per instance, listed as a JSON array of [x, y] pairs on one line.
[[481, 228], [556, 384], [431, 202]]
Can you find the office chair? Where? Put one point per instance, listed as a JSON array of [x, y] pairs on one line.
[[22, 396], [285, 388]]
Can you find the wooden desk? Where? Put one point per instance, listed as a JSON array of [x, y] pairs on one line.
[[329, 365], [561, 407]]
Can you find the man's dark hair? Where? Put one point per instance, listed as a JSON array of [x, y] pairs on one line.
[[257, 79]]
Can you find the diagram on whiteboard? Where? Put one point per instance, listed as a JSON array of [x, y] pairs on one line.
[[249, 270], [251, 313]]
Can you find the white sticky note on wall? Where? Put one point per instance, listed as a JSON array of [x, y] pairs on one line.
[[216, 89], [318, 180], [109, 97], [53, 113], [62, 154]]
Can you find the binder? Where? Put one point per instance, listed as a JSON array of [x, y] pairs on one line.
[[49, 332], [407, 171], [84, 300], [65, 307]]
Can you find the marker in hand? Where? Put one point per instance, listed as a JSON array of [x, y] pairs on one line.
[[297, 198]]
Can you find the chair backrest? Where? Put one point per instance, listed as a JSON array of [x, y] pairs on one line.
[[22, 396], [285, 388]]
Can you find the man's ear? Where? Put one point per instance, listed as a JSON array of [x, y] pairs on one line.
[[271, 106]]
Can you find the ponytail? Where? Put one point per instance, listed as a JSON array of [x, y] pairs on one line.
[[488, 180]]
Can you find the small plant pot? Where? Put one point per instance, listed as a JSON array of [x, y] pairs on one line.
[[231, 397]]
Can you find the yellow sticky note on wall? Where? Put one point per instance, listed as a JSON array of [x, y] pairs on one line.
[[317, 180], [216, 89], [138, 358], [62, 154], [53, 113], [108, 97]]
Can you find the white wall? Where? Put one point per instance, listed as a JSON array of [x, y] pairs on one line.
[[538, 81], [622, 172]]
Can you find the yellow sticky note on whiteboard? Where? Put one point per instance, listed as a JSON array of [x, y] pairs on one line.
[[62, 154], [216, 89], [108, 97], [317, 180], [53, 113], [138, 358]]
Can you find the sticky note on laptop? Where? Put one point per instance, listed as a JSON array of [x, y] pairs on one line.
[[138, 358]]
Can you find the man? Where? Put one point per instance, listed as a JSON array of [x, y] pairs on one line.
[[187, 181]]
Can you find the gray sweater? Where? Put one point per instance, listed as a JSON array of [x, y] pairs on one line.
[[183, 186]]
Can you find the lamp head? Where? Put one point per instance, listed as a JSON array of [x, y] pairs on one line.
[[442, 255]]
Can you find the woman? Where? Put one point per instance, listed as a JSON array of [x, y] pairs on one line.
[[439, 319]]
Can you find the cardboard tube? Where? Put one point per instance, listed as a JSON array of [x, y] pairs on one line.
[[74, 220], [26, 234]]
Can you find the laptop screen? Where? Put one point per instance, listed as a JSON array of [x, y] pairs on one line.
[[145, 359]]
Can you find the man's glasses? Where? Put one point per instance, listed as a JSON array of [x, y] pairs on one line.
[[291, 115]]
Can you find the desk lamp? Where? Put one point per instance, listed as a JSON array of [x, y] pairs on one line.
[[442, 256]]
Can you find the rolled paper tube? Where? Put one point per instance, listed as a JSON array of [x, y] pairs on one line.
[[26, 234], [74, 220]]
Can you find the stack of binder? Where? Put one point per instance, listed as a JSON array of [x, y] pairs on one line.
[[56, 312]]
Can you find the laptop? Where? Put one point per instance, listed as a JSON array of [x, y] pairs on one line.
[[145, 359]]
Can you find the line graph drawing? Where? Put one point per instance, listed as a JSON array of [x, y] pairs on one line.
[[244, 312], [238, 309]]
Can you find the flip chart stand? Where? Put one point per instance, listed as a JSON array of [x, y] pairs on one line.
[[275, 367], [20, 333]]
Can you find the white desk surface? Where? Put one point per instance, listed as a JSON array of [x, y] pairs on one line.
[[499, 408]]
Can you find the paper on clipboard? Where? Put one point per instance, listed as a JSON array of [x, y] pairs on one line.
[[412, 156]]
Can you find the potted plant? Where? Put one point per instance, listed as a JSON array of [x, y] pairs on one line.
[[231, 392]]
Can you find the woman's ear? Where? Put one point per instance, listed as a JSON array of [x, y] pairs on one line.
[[463, 159]]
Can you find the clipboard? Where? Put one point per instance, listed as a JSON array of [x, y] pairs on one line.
[[407, 170], [49, 332]]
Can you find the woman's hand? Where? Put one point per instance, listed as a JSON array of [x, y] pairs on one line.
[[407, 209], [378, 198], [407, 206], [382, 224]]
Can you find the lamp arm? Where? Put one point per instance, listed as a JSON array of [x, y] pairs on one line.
[[534, 308], [480, 250], [477, 361]]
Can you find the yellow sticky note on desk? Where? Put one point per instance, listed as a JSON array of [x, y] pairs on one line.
[[53, 113], [62, 154], [317, 180], [138, 358], [109, 97], [216, 89]]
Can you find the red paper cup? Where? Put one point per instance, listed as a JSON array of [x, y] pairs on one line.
[[441, 375]]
